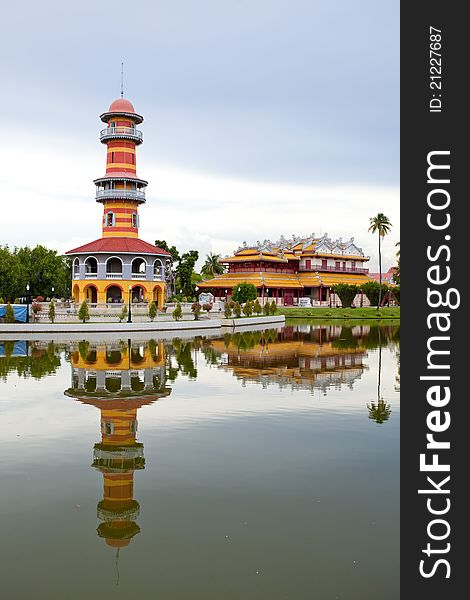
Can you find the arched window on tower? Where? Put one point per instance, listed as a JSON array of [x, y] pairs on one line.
[[135, 220], [110, 219]]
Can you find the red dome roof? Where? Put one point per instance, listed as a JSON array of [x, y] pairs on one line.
[[121, 105]]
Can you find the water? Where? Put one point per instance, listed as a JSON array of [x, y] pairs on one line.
[[265, 465]]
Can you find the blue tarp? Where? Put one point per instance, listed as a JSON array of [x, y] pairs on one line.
[[19, 349], [18, 309]]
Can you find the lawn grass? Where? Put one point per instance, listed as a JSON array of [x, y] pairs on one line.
[[392, 312]]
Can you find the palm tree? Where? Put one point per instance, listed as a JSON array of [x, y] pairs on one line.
[[382, 225], [212, 266], [379, 412]]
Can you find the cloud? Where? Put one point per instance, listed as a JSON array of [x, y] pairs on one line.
[[192, 209]]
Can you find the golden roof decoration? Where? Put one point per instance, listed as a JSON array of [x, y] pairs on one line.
[[296, 245]]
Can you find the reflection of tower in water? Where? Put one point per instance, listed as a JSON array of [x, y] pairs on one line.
[[118, 380]]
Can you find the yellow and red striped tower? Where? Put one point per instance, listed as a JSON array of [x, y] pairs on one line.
[[120, 190], [119, 266]]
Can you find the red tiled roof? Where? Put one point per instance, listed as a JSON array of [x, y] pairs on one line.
[[119, 244]]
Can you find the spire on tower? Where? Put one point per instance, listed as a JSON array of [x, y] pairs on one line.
[[122, 80]]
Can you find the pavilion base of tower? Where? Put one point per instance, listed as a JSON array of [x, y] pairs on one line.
[[118, 291]]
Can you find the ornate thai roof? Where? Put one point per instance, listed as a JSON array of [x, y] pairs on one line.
[[296, 246]]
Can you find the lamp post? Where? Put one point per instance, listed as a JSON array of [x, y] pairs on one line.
[[129, 317], [267, 296], [226, 295], [27, 302], [52, 296]]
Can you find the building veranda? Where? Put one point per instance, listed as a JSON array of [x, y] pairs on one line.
[[290, 269]]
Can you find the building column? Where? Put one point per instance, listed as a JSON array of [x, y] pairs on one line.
[[125, 380], [100, 380]]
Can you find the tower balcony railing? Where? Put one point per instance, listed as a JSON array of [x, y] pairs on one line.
[[121, 132], [113, 275], [91, 275], [124, 194], [142, 276]]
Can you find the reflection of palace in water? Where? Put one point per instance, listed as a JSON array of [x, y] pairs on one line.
[[118, 380], [312, 358]]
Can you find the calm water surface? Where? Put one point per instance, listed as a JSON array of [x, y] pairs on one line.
[[256, 466]]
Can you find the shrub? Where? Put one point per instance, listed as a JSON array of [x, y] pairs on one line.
[[371, 290], [244, 292], [207, 307], [17, 301], [273, 308], [83, 313], [227, 311], [48, 299], [257, 308], [346, 293], [396, 292], [248, 309], [266, 308], [196, 309], [2, 301], [51, 313], [36, 308], [152, 310], [9, 314], [109, 300], [237, 310], [135, 300], [123, 313], [40, 299], [177, 313]]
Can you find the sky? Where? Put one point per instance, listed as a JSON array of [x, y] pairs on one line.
[[262, 118]]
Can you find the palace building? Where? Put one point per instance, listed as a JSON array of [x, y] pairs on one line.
[[290, 269], [119, 264]]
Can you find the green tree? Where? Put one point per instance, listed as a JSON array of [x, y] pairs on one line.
[[373, 291], [41, 267], [257, 308], [380, 224], [227, 311], [267, 308], [248, 309], [184, 272], [51, 312], [346, 293], [379, 412], [212, 266], [196, 310], [178, 312], [152, 310], [244, 292], [237, 310], [83, 313], [123, 313], [9, 314], [273, 308], [175, 256]]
